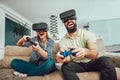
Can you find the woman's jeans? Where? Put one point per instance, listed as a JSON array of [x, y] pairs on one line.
[[31, 69], [104, 64]]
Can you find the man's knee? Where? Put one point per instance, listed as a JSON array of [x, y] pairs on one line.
[[106, 61], [66, 66]]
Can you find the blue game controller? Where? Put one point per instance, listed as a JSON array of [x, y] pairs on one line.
[[66, 53]]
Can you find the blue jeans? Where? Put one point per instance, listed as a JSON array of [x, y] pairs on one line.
[[32, 70]]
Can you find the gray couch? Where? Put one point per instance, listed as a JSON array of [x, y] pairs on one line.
[[11, 52]]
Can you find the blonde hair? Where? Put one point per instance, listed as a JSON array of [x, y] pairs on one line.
[[47, 35]]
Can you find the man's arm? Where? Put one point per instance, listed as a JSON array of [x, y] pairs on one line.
[[92, 51], [89, 52]]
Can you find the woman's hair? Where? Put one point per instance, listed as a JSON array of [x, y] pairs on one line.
[[47, 36]]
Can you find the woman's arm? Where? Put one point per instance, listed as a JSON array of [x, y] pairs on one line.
[[22, 41]]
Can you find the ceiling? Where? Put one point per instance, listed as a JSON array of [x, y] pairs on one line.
[[40, 10]]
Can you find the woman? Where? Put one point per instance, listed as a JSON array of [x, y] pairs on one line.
[[41, 61]]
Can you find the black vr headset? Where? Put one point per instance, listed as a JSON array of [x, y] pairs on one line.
[[70, 14], [40, 26]]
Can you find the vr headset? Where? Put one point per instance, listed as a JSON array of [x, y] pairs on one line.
[[70, 14], [40, 26]]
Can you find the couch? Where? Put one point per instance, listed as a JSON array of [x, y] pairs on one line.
[[12, 52]]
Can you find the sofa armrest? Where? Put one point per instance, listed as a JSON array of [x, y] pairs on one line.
[[115, 57]]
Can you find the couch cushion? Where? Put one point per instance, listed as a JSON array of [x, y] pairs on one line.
[[56, 49], [58, 66], [7, 74], [57, 75], [100, 45], [115, 57], [17, 51], [89, 76], [5, 63]]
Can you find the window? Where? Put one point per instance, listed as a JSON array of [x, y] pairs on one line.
[[14, 31]]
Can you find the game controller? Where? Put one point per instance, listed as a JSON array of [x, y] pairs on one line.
[[29, 40], [66, 53]]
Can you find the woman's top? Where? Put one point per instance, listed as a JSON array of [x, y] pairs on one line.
[[35, 56]]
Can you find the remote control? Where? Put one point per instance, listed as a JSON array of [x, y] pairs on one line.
[[66, 53], [29, 40]]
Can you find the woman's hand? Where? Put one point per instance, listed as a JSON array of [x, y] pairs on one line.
[[36, 47], [22, 40]]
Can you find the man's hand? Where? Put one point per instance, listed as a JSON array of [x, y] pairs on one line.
[[60, 58], [80, 52]]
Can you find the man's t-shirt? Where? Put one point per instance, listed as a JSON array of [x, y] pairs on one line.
[[80, 41]]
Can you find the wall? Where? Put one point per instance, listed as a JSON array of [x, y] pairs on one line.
[[2, 31], [105, 9], [109, 30], [105, 21], [114, 31]]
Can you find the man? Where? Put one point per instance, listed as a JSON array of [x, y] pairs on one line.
[[83, 43]]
